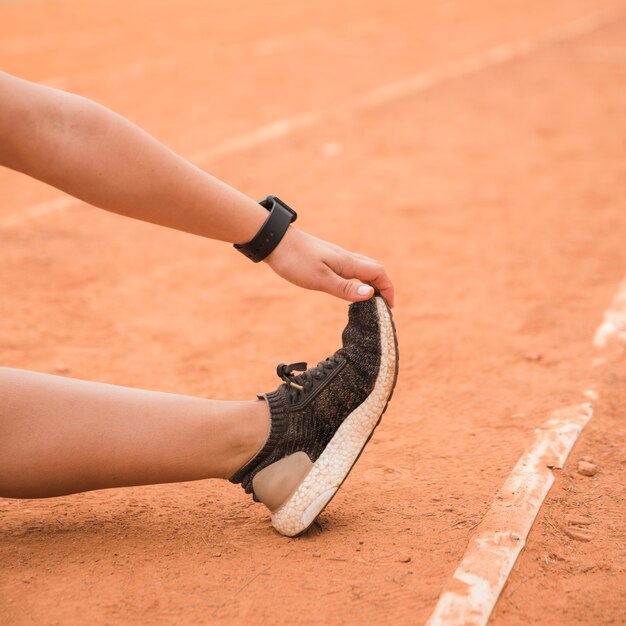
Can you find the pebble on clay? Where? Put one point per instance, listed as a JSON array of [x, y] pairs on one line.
[[579, 534], [578, 528], [587, 469]]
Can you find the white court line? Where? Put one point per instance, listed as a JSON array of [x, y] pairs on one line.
[[488, 58], [471, 594], [614, 324], [419, 82], [263, 134], [44, 209], [75, 41], [375, 97]]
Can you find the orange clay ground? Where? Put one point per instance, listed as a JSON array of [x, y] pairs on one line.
[[496, 199]]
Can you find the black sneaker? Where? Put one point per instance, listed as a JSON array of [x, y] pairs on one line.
[[322, 418]]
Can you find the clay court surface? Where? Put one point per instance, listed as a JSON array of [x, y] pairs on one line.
[[495, 195]]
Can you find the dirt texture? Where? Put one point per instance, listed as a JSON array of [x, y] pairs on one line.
[[494, 197]]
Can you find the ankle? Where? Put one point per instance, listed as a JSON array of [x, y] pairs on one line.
[[249, 436]]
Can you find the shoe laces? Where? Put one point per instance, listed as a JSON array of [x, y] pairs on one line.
[[301, 384]]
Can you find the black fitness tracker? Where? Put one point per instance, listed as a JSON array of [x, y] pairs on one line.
[[272, 231]]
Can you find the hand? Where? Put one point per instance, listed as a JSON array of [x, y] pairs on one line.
[[312, 263]]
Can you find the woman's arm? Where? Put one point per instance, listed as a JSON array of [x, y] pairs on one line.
[[90, 152]]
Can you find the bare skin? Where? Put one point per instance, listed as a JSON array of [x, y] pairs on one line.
[[60, 435]]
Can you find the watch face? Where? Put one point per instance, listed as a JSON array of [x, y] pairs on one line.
[[269, 202], [286, 207]]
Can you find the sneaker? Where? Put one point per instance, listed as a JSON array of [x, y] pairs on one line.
[[322, 418]]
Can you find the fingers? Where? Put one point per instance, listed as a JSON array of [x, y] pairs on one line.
[[357, 277], [350, 290], [315, 264], [373, 273]]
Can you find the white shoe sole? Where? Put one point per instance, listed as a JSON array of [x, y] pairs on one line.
[[334, 464]]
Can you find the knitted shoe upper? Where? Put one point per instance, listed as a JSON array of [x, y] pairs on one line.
[[308, 408]]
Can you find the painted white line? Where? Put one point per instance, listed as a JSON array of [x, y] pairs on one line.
[[418, 82], [263, 134], [602, 55], [472, 592], [139, 68], [376, 97], [123, 73], [75, 41], [591, 394], [486, 59], [614, 324], [43, 209]]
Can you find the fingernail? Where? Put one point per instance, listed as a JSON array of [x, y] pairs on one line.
[[364, 290]]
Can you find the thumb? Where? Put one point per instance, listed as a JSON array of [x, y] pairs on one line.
[[351, 290]]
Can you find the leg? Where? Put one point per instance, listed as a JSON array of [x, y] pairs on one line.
[[61, 435]]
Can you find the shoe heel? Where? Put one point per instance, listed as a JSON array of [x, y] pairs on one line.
[[276, 483]]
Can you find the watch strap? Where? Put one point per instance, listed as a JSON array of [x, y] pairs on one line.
[[272, 231]]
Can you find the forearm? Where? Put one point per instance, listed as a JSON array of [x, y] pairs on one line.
[[96, 155], [93, 154]]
